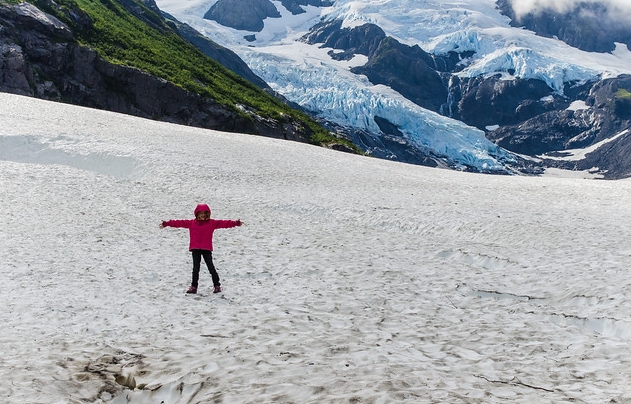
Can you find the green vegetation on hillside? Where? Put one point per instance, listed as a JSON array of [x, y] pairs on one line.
[[623, 93], [152, 46]]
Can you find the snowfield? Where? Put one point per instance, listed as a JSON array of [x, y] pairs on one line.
[[353, 279]]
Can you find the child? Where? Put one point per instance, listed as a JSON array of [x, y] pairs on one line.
[[201, 241]]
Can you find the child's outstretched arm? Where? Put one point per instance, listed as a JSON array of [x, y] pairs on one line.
[[176, 223], [226, 224]]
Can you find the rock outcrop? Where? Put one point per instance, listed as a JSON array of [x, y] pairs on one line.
[[248, 15]]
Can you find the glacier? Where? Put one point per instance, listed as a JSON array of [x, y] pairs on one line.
[[306, 74], [348, 99]]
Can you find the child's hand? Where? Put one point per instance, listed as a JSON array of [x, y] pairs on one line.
[[162, 225], [239, 222]]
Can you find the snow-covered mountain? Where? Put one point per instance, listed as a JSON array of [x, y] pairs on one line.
[[475, 32]]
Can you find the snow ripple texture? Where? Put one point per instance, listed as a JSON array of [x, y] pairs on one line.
[[353, 279]]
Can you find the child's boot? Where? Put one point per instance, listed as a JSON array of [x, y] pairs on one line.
[[192, 290], [217, 289]]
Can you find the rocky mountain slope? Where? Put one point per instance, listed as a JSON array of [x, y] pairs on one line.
[[45, 57]]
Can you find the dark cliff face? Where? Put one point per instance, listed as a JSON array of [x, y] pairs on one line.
[[406, 70], [486, 101], [40, 57], [362, 40], [605, 117]]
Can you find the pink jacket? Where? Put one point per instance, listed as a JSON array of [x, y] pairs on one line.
[[201, 231]]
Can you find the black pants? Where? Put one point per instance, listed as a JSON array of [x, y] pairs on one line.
[[208, 259]]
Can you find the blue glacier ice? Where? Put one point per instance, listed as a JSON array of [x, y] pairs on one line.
[[351, 100]]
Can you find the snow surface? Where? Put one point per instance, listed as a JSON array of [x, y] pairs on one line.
[[353, 279], [578, 106], [305, 74]]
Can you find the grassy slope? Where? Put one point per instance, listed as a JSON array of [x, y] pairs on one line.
[[121, 38], [623, 93]]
